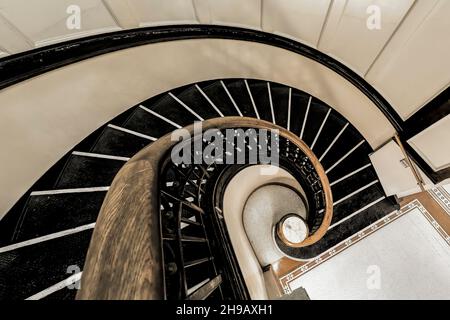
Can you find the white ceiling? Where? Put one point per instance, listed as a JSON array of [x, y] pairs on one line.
[[406, 60], [432, 144]]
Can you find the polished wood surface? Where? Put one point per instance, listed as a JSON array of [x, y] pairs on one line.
[[124, 260]]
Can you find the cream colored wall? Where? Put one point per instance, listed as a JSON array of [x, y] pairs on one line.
[[406, 59], [433, 144], [43, 118], [396, 178]]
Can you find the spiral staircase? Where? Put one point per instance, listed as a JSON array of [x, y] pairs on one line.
[[49, 230]]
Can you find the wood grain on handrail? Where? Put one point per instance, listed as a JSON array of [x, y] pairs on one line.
[[124, 260]]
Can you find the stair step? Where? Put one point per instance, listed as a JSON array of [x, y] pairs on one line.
[[46, 214], [353, 182], [299, 105], [196, 262], [346, 142], [239, 92], [195, 99], [148, 124], [173, 108], [196, 275], [219, 97], [331, 129], [357, 159], [31, 269], [356, 202], [316, 115], [191, 222], [281, 101], [260, 95], [203, 290], [84, 171], [114, 140]]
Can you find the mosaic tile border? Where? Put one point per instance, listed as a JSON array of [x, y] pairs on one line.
[[442, 197]]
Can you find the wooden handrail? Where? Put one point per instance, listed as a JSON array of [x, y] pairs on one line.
[[124, 260], [411, 165]]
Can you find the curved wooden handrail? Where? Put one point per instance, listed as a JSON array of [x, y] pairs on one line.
[[124, 260]]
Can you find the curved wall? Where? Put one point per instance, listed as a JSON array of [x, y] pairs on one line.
[[42, 118]]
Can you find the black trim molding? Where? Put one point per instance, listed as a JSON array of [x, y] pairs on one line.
[[22, 66], [432, 112], [435, 110], [19, 67]]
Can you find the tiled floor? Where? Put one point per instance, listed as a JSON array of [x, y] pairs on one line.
[[289, 271]]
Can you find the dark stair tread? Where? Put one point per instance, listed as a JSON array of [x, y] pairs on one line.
[[171, 109], [299, 104], [194, 250], [356, 202], [146, 123], [9, 222], [352, 183], [346, 142], [331, 129], [316, 115], [344, 230], [280, 101], [192, 230], [239, 92], [46, 214], [196, 101], [29, 270], [356, 160], [197, 274], [120, 143], [260, 95], [217, 94], [84, 171]]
